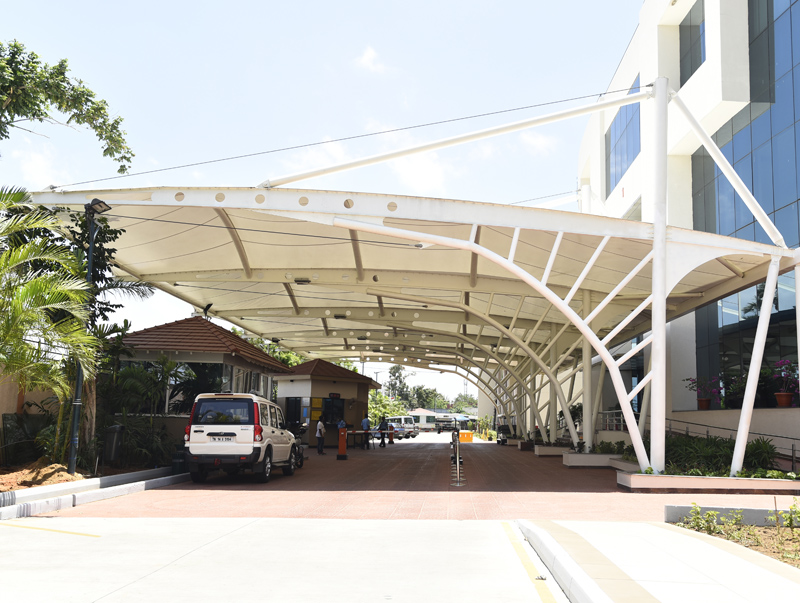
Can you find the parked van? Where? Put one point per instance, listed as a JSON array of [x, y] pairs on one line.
[[238, 431], [410, 428]]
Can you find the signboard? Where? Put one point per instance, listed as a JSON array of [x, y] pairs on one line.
[[334, 395]]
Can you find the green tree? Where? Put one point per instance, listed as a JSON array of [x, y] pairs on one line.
[[427, 397], [347, 363], [463, 401], [42, 300], [287, 357], [380, 405], [397, 387], [34, 91]]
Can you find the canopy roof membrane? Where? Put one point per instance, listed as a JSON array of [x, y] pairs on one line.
[[314, 270]]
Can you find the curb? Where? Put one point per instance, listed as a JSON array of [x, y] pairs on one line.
[[25, 495], [573, 580], [752, 517], [45, 505]]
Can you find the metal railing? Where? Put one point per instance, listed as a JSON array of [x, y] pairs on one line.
[[613, 420], [786, 448], [456, 470]]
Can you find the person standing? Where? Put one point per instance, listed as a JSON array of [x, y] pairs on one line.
[[384, 427], [321, 434], [365, 429]]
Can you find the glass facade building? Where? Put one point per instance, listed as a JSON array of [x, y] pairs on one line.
[[623, 142], [693, 40], [762, 142]]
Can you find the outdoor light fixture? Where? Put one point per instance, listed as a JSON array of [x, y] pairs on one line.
[[96, 207], [302, 281], [340, 316]]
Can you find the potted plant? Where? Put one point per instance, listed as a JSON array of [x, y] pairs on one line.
[[733, 386], [785, 380], [707, 390]]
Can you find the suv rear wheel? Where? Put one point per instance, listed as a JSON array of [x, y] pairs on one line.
[[289, 469], [198, 477], [266, 470]]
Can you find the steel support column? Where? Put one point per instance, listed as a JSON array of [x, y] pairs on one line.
[[659, 292]]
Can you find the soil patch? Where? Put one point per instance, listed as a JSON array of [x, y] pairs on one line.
[[38, 473], [783, 544]]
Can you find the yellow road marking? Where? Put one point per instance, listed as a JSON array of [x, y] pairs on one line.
[[11, 525], [541, 587]]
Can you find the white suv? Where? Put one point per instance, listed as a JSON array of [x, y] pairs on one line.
[[238, 431], [410, 429]]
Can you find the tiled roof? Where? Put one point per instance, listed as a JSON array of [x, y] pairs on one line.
[[197, 334], [323, 368]]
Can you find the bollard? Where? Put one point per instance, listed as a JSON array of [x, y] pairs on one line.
[[342, 455], [391, 434]]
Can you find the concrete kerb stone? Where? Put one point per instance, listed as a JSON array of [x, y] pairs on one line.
[[573, 580], [35, 507], [15, 497], [751, 517]]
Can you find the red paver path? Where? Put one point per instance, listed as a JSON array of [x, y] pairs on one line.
[[411, 480]]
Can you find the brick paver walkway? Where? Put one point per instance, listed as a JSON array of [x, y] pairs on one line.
[[411, 480]]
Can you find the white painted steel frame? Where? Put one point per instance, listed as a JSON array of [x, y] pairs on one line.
[[654, 385], [551, 297]]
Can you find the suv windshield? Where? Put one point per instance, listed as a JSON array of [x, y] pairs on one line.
[[232, 412]]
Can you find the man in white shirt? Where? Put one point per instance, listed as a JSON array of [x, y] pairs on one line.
[[321, 434], [365, 427]]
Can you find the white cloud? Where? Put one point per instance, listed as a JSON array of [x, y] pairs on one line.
[[537, 143], [369, 61]]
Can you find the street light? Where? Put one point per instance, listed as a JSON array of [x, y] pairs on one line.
[[92, 209]]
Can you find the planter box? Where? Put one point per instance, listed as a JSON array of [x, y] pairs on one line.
[[523, 445], [642, 482], [577, 459], [550, 450], [628, 466]]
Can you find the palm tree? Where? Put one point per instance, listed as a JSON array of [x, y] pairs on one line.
[[42, 299]]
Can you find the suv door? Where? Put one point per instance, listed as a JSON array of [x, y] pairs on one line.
[[280, 442]]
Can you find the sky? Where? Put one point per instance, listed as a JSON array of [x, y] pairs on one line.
[[202, 81]]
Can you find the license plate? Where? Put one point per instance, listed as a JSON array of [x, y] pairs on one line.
[[221, 439]]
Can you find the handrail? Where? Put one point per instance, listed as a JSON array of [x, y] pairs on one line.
[[456, 443]]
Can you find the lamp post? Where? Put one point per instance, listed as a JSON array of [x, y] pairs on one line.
[[92, 209]]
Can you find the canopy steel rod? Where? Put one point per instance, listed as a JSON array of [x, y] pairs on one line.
[[754, 371], [553, 254], [615, 291], [463, 138], [548, 294], [727, 169], [635, 350], [586, 269], [624, 322]]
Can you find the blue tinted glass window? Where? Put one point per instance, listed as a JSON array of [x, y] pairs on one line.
[[786, 221], [783, 109], [745, 171], [762, 176], [760, 129], [622, 142], [796, 34], [783, 45], [692, 33], [783, 168], [727, 223], [741, 143], [779, 6]]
